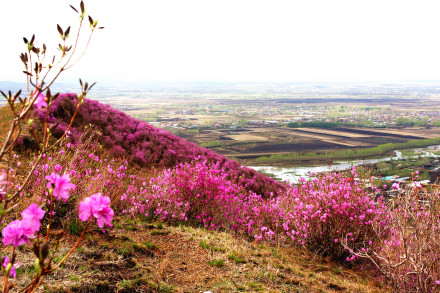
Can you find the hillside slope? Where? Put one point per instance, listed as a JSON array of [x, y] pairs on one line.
[[137, 256], [145, 145], [141, 253]]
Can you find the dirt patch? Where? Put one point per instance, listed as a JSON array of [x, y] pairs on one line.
[[331, 132], [295, 147]]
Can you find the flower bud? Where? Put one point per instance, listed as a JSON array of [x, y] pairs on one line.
[[8, 268], [37, 265], [36, 250], [44, 250]]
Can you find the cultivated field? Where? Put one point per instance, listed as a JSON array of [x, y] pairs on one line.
[[250, 143], [249, 121]]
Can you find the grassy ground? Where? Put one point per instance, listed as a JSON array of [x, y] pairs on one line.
[[137, 256]]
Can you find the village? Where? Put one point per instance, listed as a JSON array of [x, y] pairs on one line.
[[195, 116]]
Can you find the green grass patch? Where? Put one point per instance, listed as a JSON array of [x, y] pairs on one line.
[[204, 244], [217, 263], [159, 232], [233, 256], [211, 144]]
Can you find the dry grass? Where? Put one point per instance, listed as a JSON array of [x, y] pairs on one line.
[[130, 258], [5, 117], [247, 137]]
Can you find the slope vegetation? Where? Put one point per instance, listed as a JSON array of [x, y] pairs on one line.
[[145, 145]]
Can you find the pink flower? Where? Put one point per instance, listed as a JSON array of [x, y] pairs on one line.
[[40, 101], [417, 184], [98, 207], [3, 183], [14, 234], [12, 271], [60, 184], [58, 168], [31, 218], [395, 185]]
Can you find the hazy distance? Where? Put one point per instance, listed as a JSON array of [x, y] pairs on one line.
[[173, 40]]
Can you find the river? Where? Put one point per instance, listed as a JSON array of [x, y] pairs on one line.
[[293, 174]]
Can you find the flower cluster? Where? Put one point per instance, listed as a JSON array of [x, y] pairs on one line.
[[18, 232], [60, 185], [97, 206]]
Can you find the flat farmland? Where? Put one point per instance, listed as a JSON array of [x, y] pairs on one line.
[[248, 121], [247, 144]]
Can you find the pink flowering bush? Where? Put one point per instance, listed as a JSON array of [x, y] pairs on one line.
[[410, 258], [332, 208], [71, 171], [197, 193], [57, 193], [24, 187], [319, 214], [144, 145]]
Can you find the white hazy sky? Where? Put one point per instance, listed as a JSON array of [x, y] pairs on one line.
[[236, 40]]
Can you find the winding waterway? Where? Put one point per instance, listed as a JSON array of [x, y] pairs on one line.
[[293, 174]]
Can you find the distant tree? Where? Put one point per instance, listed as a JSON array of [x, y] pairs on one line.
[[403, 121]]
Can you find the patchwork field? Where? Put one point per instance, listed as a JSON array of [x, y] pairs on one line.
[[247, 124], [250, 143]]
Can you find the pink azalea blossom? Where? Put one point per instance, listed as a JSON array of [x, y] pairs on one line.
[[40, 102], [14, 234], [3, 183], [60, 184], [98, 207], [52, 180], [31, 218], [12, 271]]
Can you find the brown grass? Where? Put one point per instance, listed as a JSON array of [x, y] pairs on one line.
[[5, 117], [129, 258], [247, 137]]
